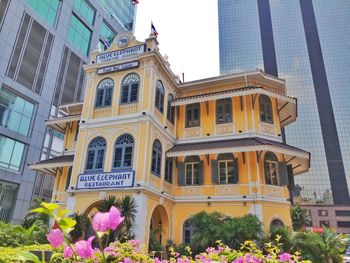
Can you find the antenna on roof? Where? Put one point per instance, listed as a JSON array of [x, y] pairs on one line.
[[183, 77]]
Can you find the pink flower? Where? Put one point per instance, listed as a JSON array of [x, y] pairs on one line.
[[110, 220], [55, 237], [84, 248], [285, 257], [68, 252], [115, 218]]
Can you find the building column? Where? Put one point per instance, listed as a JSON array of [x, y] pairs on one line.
[[140, 227]]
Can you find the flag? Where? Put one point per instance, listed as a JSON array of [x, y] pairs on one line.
[[134, 2], [106, 43], [153, 30]]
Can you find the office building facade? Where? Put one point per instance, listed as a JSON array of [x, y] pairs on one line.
[[44, 45], [307, 43]]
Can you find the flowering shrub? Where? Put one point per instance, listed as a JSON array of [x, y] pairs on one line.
[[133, 251]]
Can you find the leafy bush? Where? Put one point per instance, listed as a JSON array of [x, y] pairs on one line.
[[233, 231], [10, 254], [300, 217], [17, 235]]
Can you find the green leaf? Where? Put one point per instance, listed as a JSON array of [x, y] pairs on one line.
[[66, 224], [42, 210], [63, 212], [27, 256], [50, 206]]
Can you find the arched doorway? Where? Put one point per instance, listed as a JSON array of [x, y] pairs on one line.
[[276, 223], [158, 229]]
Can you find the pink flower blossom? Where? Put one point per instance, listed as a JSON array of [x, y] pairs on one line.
[[84, 248], [285, 257], [109, 220], [68, 252], [55, 237]]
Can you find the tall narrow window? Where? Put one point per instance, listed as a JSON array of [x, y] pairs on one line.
[[168, 170], [130, 88], [193, 115], [192, 172], [30, 55], [3, 8], [159, 101], [265, 106], [123, 152], [224, 110], [15, 112], [156, 157], [11, 153], [226, 169], [170, 110], [188, 231], [85, 10], [96, 154], [79, 35], [271, 168], [104, 93]]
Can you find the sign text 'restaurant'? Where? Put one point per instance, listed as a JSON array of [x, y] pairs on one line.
[[106, 180], [121, 54]]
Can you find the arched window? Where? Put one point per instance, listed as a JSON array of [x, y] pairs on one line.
[[224, 110], [123, 152], [130, 88], [271, 168], [265, 106], [156, 157], [227, 169], [159, 102], [104, 93], [276, 223], [188, 230], [193, 115], [96, 154], [192, 170], [170, 111]]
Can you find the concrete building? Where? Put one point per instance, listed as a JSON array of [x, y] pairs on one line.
[[44, 45], [178, 148], [306, 43]]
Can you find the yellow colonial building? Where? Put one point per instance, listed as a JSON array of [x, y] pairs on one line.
[[178, 148]]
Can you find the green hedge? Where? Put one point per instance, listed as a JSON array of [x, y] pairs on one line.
[[10, 254]]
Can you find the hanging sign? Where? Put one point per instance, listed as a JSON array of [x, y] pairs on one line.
[[118, 67], [121, 54], [106, 180]]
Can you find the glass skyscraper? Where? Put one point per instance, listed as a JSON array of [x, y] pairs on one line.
[[307, 43]]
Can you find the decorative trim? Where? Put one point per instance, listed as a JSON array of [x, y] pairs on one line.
[[231, 94]]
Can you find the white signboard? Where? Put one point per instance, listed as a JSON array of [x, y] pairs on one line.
[[121, 54], [118, 67], [106, 180]]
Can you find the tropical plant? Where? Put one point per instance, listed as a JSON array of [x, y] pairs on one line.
[[31, 217], [17, 235], [300, 217], [82, 224], [326, 247], [238, 229], [207, 229]]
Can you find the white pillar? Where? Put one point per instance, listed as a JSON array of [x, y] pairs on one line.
[[141, 225]]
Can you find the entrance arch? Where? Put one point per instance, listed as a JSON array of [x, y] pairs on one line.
[[159, 227]]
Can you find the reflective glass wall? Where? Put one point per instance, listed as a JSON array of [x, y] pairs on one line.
[[240, 49]]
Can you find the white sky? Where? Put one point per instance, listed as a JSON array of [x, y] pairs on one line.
[[188, 34]]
